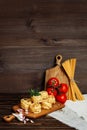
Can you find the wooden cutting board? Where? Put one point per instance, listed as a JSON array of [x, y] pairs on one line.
[[55, 107]]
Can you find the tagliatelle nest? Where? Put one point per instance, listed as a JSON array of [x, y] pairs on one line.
[[36, 103]]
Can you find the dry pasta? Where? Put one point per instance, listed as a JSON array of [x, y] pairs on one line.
[[74, 93]]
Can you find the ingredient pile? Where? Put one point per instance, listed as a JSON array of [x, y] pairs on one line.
[[59, 87]]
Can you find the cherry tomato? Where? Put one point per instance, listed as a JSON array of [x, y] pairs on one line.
[[53, 82], [52, 91], [63, 88], [61, 98]]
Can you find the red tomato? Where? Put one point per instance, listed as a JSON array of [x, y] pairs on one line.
[[63, 88], [61, 98], [53, 82], [52, 91]]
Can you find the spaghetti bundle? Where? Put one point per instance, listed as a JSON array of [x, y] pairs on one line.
[[74, 93]]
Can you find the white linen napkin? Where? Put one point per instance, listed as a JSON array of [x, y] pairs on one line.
[[80, 107], [73, 114]]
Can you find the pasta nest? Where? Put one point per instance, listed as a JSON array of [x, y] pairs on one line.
[[36, 103]]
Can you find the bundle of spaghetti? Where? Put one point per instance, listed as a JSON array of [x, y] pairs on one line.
[[74, 92]]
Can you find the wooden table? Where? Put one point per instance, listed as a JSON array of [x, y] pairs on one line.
[[43, 123]]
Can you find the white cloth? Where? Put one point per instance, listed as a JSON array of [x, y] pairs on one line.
[[80, 107], [73, 114]]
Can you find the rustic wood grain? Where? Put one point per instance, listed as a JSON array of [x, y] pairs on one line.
[[32, 33]]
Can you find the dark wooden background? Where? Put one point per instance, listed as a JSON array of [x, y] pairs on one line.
[[32, 33]]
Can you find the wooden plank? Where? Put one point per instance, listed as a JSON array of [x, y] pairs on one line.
[[21, 8], [26, 59], [28, 22], [18, 31], [20, 83]]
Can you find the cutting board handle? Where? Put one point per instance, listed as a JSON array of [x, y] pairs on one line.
[[58, 59]]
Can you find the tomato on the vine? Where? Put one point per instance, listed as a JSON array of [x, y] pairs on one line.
[[63, 88], [53, 82], [61, 98], [51, 91]]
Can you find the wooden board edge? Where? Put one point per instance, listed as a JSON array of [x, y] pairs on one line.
[[44, 112]]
